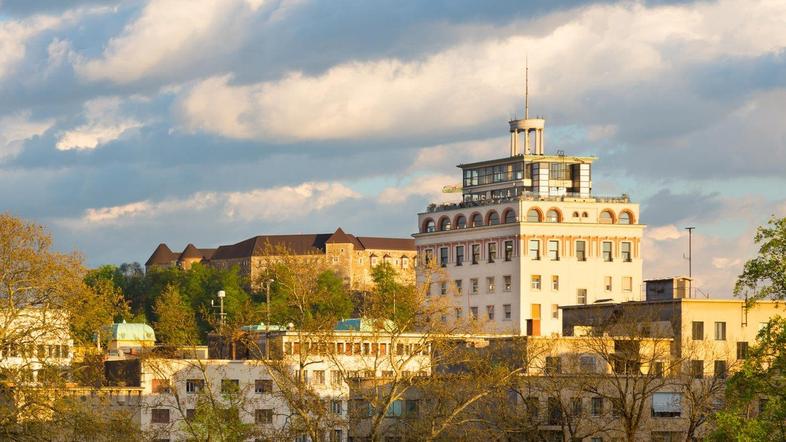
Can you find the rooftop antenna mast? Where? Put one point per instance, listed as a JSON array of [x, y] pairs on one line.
[[526, 88]]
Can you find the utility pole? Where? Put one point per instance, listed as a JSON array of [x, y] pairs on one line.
[[690, 259]]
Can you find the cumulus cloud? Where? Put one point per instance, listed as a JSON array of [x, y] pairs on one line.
[[473, 83], [104, 124], [171, 36], [14, 35], [16, 129], [421, 186], [275, 204]]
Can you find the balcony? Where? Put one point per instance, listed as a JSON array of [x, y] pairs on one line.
[[528, 196]]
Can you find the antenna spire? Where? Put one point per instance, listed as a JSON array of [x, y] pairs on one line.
[[526, 88]]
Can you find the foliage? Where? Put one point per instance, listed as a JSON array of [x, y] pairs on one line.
[[764, 276], [176, 324], [762, 378]]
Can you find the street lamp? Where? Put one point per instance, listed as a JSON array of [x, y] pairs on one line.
[[221, 315], [267, 319]]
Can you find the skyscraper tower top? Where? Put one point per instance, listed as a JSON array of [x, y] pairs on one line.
[[530, 127]]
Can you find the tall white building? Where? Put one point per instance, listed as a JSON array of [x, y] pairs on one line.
[[529, 237]]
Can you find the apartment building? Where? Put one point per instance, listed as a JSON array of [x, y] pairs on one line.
[[257, 383], [352, 257], [528, 237]]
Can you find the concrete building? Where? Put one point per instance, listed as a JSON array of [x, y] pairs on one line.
[[530, 236], [352, 257], [256, 385], [714, 332]]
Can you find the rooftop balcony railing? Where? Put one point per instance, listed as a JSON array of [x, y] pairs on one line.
[[528, 196]]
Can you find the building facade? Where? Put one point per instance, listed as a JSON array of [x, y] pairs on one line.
[[528, 237], [352, 257]]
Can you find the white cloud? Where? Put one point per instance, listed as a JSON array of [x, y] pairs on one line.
[[16, 129], [422, 186], [14, 36], [170, 36], [472, 83], [664, 233], [275, 204], [104, 124]]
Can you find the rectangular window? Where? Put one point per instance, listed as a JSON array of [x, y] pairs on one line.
[[507, 283], [336, 407], [475, 253], [443, 256], [581, 296], [658, 369], [697, 369], [697, 330], [490, 312], [555, 311], [230, 386], [318, 378], [491, 284], [459, 255], [473, 284], [443, 288], [535, 282], [720, 331], [161, 386], [666, 404], [263, 416], [429, 256], [625, 251], [607, 256], [554, 250], [411, 407], [581, 250], [159, 415], [194, 386], [627, 284], [459, 313], [506, 309], [335, 378], [508, 250], [492, 252], [534, 249], [553, 365], [190, 414], [742, 350], [587, 364], [473, 311], [263, 386], [596, 406], [720, 369], [555, 282], [458, 284], [607, 283]]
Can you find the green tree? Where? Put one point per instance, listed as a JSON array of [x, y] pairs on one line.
[[765, 275], [176, 321], [756, 394]]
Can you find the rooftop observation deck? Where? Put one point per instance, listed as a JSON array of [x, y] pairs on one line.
[[528, 196]]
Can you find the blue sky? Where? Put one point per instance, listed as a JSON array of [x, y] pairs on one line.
[[125, 124]]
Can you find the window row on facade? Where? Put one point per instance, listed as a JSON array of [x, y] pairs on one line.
[[509, 216], [351, 348], [537, 249]]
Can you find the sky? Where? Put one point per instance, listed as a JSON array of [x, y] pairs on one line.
[[124, 124]]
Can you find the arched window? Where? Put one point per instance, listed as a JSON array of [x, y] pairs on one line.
[[584, 215], [533, 216], [553, 216], [625, 217], [444, 224], [429, 226], [493, 218], [606, 217], [477, 220], [510, 216], [461, 222], [575, 214]]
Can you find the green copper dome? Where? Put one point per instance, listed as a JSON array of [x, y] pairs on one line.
[[132, 332]]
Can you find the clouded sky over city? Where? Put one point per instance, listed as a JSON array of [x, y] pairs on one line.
[[125, 124]]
